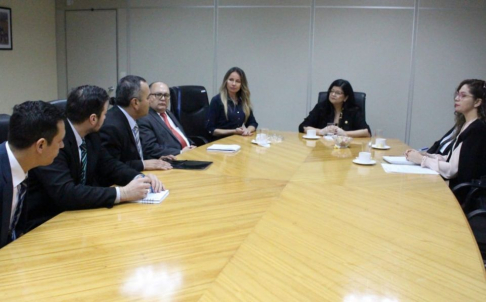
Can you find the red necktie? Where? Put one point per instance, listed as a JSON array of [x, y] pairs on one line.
[[176, 134]]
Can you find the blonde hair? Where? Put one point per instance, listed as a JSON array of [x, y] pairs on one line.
[[243, 94]]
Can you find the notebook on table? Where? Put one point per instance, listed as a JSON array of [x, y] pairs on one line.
[[153, 198], [397, 160], [224, 148]]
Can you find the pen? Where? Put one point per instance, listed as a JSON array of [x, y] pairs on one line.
[[151, 189]]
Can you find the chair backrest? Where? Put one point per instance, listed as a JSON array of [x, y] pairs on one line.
[[360, 98], [60, 104], [4, 121], [190, 105]]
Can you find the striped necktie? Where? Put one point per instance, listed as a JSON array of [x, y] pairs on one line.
[[21, 190], [136, 135], [84, 161]]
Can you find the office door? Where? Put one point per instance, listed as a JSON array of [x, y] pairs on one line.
[[91, 48]]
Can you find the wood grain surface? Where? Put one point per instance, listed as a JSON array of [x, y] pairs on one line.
[[294, 222]]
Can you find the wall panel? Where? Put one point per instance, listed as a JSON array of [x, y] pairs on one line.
[[173, 45], [272, 46], [355, 45]]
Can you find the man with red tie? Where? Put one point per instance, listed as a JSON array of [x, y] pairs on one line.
[[161, 133]]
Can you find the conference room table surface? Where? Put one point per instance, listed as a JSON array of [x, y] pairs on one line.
[[298, 221]]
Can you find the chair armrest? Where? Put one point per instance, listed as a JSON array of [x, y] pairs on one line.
[[198, 140], [478, 212]]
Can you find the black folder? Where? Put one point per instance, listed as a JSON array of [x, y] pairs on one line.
[[190, 164]]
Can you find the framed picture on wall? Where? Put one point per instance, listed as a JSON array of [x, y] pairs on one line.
[[5, 28]]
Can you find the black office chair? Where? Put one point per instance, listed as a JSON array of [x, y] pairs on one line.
[[190, 105], [360, 98], [474, 206], [471, 195], [4, 121], [477, 221], [60, 104]]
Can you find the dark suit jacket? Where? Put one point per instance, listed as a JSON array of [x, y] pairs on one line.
[[472, 159], [117, 138], [434, 149], [56, 188], [6, 191], [157, 139]]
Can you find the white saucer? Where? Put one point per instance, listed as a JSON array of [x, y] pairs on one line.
[[380, 148], [311, 137], [265, 143], [368, 163]]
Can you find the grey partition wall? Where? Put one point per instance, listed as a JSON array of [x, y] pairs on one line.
[[407, 55]]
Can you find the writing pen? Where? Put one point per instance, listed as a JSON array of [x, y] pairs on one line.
[[151, 189]]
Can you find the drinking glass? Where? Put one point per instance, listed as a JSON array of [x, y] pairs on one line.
[[378, 134]]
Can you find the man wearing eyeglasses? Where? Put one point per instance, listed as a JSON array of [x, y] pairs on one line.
[[120, 132], [161, 132]]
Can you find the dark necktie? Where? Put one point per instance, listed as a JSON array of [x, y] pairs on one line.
[[21, 190], [84, 161], [136, 135], [174, 131]]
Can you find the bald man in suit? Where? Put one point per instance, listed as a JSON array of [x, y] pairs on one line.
[[161, 133]]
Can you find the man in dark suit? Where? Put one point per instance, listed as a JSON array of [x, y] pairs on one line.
[[160, 132], [120, 133], [80, 176], [36, 132]]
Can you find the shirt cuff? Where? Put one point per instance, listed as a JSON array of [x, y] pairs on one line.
[[117, 199]]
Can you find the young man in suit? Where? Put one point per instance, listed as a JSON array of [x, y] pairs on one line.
[[81, 175], [120, 133], [36, 132], [161, 133]]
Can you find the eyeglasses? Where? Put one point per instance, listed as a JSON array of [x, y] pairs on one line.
[[161, 95], [461, 95], [336, 93]]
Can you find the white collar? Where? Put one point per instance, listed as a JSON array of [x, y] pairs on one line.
[[79, 140], [18, 174], [130, 119]]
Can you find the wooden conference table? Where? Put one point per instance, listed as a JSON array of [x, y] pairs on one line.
[[294, 222]]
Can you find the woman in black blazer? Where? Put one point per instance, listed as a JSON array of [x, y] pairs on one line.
[[467, 158], [341, 110]]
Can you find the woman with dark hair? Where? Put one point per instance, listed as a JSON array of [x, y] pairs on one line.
[[339, 109], [467, 158], [230, 112]]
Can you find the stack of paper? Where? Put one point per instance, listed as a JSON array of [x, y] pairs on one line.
[[397, 160], [154, 197], [407, 169], [224, 148]]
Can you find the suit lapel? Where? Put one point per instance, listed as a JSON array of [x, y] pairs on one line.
[[159, 120], [6, 191], [71, 145]]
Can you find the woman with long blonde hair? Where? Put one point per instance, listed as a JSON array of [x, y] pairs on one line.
[[230, 111]]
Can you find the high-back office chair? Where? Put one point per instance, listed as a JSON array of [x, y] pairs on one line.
[[474, 206], [190, 105], [4, 121], [477, 221], [360, 98], [60, 104]]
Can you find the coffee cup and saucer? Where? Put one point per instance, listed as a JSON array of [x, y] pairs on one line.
[[311, 134], [380, 143], [364, 158]]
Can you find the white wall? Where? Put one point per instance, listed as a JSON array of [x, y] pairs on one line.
[[407, 55], [28, 72]]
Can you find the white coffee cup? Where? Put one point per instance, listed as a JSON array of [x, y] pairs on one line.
[[311, 133], [364, 156], [380, 142]]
